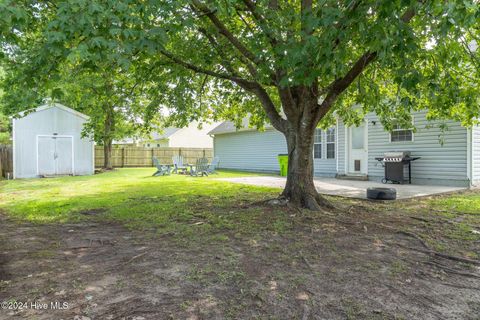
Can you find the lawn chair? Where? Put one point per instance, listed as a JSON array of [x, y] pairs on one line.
[[162, 169], [178, 164], [213, 166], [200, 168]]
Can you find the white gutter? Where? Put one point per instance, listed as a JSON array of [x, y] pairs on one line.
[[14, 151], [470, 156]]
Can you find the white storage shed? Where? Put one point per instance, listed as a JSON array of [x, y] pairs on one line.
[[47, 141]]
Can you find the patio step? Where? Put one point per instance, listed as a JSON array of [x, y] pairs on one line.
[[356, 177]]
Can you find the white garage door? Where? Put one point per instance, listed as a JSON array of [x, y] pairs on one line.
[[55, 155]]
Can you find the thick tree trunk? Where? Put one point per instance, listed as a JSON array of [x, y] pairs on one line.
[[302, 117], [109, 128], [107, 153], [300, 189]]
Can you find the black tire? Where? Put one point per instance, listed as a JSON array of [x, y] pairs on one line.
[[381, 193]]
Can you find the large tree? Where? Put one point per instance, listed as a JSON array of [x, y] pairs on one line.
[[113, 98], [294, 64]]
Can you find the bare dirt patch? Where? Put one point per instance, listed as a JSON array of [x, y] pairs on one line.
[[355, 265]]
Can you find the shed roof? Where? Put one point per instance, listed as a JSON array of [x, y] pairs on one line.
[[53, 105]]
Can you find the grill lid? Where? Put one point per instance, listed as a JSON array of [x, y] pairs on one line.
[[397, 154]]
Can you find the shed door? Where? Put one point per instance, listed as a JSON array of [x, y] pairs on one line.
[[64, 156], [46, 156], [55, 155]]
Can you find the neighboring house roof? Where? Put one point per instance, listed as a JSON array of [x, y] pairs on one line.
[[228, 127], [53, 105], [125, 141], [167, 132], [154, 136]]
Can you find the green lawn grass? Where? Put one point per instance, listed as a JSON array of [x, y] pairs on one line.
[[198, 210], [467, 203], [183, 205], [135, 198]]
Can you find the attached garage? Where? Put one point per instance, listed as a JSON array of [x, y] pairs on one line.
[[48, 141]]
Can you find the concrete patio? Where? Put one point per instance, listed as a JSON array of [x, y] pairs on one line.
[[349, 188]]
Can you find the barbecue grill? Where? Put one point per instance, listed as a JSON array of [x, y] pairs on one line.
[[395, 164]]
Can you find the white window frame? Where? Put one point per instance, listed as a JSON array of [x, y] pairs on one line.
[[331, 142], [320, 143], [404, 129]]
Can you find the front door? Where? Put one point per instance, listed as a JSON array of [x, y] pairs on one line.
[[358, 152], [55, 155]]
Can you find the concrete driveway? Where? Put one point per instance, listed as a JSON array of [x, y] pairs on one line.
[[348, 188]]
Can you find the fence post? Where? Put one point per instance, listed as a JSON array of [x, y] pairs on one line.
[[153, 154], [6, 161], [123, 156], [204, 153]]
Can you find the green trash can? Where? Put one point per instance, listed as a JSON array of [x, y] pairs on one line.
[[283, 162]]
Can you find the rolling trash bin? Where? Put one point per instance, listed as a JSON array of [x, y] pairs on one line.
[[283, 162]]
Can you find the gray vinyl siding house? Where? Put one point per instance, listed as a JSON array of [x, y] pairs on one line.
[[451, 157], [250, 150], [48, 141], [476, 154]]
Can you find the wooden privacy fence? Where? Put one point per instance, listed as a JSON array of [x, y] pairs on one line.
[[142, 156], [6, 161]]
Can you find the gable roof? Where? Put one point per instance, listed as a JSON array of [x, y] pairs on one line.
[[229, 127], [167, 132], [53, 105]]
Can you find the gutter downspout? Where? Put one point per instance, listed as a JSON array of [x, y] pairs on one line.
[[13, 148], [470, 157]]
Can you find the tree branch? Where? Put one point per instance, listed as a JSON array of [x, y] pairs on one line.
[[216, 46], [305, 11], [277, 121], [225, 32], [197, 69], [341, 84], [220, 51], [353, 6], [262, 22]]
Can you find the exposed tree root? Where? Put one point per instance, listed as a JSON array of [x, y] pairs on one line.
[[136, 257], [427, 249], [308, 201], [460, 286], [420, 219], [279, 201], [295, 208], [443, 255], [413, 235], [452, 271], [305, 260]]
